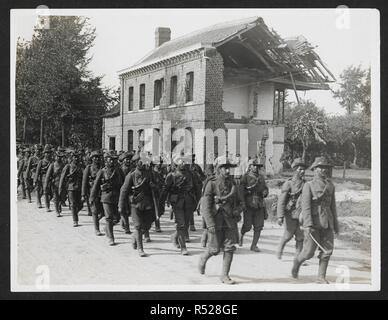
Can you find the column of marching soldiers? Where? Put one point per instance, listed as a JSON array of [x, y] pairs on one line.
[[117, 186]]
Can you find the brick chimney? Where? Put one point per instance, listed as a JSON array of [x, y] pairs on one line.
[[162, 35]]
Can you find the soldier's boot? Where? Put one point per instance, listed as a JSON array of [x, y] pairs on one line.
[[23, 191], [28, 191], [57, 208], [97, 226], [226, 263], [39, 198], [182, 242], [89, 207], [139, 241], [192, 224], [322, 272], [241, 239], [125, 224], [204, 238], [147, 237], [295, 268], [174, 239], [202, 261], [298, 247], [134, 239], [157, 226], [109, 233], [256, 237], [279, 252], [186, 235], [47, 202]]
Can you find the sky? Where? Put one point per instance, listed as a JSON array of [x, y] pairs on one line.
[[123, 36]]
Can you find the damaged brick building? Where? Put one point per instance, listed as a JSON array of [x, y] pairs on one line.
[[228, 76]]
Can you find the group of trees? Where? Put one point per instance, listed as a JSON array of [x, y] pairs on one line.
[[346, 138], [58, 100]]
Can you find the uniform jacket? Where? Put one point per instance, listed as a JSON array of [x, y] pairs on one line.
[[89, 175], [288, 199], [137, 188], [41, 170], [182, 188], [31, 166], [72, 175], [252, 188], [218, 202], [318, 205], [53, 175], [108, 181]]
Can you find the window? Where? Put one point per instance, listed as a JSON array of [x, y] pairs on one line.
[[142, 97], [141, 141], [278, 110], [112, 143], [130, 140], [130, 99], [173, 89], [189, 88], [158, 91]]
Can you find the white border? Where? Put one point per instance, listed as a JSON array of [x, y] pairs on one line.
[[375, 188]]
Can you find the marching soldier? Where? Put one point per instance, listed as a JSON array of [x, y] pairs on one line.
[[40, 175], [53, 177], [158, 180], [22, 165], [108, 181], [253, 191], [137, 188], [126, 167], [71, 181], [199, 176], [182, 192], [319, 216], [288, 208], [218, 207], [27, 184], [31, 171], [89, 175], [210, 176]]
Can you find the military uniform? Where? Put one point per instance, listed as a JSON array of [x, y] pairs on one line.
[[126, 167], [40, 176], [89, 175], [21, 170], [253, 190], [137, 188], [288, 209], [71, 179], [210, 176], [183, 194], [218, 207], [108, 181], [53, 178], [31, 171], [320, 222]]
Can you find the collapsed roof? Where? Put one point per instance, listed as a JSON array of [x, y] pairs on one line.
[[250, 45]]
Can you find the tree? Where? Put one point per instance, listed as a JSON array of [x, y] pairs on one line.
[[351, 134], [306, 125], [52, 79], [354, 90]]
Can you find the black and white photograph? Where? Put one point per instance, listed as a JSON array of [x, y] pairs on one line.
[[195, 150]]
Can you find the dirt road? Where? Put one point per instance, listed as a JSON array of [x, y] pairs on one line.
[[75, 256]]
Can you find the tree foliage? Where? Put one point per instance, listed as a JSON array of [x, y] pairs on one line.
[[306, 125], [354, 90], [52, 77]]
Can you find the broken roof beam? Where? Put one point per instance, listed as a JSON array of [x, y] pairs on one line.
[[257, 54]]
